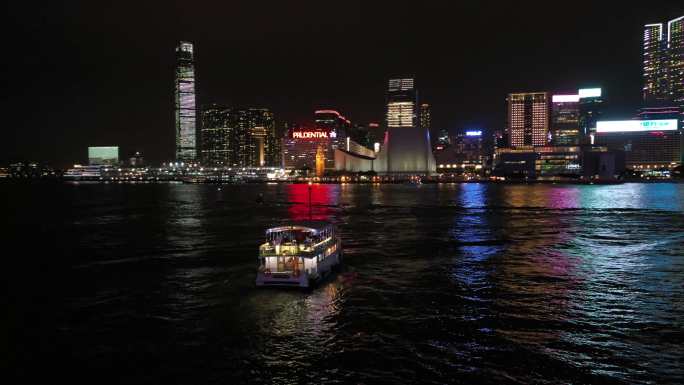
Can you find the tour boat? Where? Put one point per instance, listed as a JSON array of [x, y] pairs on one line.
[[298, 254]]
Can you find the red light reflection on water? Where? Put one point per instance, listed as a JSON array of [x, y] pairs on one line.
[[323, 197]]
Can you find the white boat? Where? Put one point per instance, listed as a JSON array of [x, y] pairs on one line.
[[298, 254], [84, 173]]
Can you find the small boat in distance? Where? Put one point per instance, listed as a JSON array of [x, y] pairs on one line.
[[298, 254]]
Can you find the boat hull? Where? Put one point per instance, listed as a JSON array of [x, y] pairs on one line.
[[282, 280], [303, 280]]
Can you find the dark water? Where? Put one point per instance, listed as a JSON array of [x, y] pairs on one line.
[[465, 283]]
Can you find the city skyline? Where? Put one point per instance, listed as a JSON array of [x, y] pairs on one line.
[[136, 115], [350, 192]]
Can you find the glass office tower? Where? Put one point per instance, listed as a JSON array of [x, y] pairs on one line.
[[185, 112]]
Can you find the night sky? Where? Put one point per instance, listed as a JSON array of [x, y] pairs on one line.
[[91, 74]]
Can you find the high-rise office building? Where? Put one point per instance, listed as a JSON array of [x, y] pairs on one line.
[[254, 137], [338, 128], [565, 120], [405, 148], [376, 133], [647, 144], [590, 110], [425, 118], [401, 103], [675, 43], [239, 137], [655, 64], [216, 135], [314, 147], [407, 144], [664, 62], [185, 112], [443, 137], [528, 119], [307, 148]]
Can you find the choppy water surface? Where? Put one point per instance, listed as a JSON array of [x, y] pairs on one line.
[[442, 284]]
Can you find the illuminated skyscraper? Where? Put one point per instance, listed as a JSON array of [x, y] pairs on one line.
[[401, 103], [528, 119], [655, 63], [239, 137], [425, 118], [664, 62], [216, 135], [590, 103], [565, 120], [255, 142], [675, 43], [185, 112], [407, 147], [338, 128]]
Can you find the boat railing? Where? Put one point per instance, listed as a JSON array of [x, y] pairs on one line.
[[300, 250]]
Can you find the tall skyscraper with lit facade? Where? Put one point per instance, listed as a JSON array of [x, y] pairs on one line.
[[675, 42], [655, 63], [254, 138], [590, 111], [664, 62], [239, 137], [185, 110], [405, 150], [401, 103], [565, 120], [338, 128], [407, 147], [528, 119], [216, 135]]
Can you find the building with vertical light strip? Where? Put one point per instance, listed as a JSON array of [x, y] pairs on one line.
[[528, 119], [185, 111]]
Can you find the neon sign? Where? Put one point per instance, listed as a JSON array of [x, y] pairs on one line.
[[636, 125], [312, 135], [474, 133]]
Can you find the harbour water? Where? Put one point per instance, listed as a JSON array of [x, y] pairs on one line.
[[450, 283]]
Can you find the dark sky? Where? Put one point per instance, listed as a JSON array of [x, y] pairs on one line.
[[87, 73]]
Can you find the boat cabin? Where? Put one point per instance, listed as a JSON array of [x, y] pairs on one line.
[[295, 250]]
